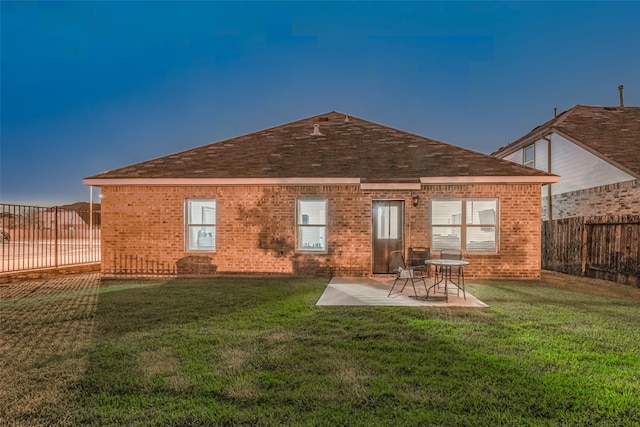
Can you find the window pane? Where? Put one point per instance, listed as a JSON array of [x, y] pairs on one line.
[[202, 238], [529, 153], [387, 217], [312, 212], [312, 238], [446, 237], [312, 221], [478, 231], [481, 239], [445, 212], [481, 212], [201, 220], [201, 212]]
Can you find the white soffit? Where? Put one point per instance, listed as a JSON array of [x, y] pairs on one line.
[[220, 181], [490, 179], [390, 186], [324, 181]]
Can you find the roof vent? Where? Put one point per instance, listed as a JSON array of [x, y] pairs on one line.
[[621, 100], [316, 130], [346, 118]]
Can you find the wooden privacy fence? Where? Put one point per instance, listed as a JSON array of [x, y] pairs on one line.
[[603, 247]]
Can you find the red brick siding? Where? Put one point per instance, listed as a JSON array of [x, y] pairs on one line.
[[143, 229], [622, 198]]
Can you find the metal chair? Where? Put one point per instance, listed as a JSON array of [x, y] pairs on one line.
[[406, 273], [450, 254], [417, 257], [458, 271]]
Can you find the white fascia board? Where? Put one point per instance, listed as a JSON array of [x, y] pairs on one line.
[[390, 186], [510, 149], [101, 182], [490, 179]]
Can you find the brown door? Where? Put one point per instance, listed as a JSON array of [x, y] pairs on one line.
[[388, 232]]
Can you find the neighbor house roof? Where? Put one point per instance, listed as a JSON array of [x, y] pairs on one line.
[[611, 133], [342, 149]]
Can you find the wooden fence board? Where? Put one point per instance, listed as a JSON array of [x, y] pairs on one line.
[[605, 247], [562, 245]]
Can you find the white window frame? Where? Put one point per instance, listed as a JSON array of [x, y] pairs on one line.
[[200, 236], [531, 163], [301, 225], [462, 225]]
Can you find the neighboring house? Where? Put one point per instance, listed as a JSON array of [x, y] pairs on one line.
[[329, 194], [64, 219], [89, 212], [596, 153], [45, 218]]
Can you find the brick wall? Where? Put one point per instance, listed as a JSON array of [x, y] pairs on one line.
[[143, 230], [622, 198]]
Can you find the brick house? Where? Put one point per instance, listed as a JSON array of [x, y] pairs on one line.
[[595, 151], [329, 194]]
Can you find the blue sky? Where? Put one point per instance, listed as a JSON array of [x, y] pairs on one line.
[[92, 86]]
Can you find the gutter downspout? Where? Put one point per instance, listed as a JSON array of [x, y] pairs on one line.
[[548, 139]]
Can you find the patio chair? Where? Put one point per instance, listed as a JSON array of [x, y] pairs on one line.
[[417, 257], [450, 254], [406, 273], [455, 271]]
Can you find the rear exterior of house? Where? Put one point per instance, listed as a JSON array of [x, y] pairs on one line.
[[595, 151], [326, 195]]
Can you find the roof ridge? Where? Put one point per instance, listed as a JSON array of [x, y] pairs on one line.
[[562, 117], [547, 126]]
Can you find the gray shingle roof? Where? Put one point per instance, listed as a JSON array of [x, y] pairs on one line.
[[355, 149], [613, 133]]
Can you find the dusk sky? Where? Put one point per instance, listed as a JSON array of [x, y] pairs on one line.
[[92, 86]]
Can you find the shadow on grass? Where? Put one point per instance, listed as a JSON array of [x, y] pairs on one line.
[[259, 352], [147, 306]]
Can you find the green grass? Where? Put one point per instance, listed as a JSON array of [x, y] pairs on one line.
[[562, 351]]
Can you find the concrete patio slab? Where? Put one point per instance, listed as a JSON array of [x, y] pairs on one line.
[[374, 291]]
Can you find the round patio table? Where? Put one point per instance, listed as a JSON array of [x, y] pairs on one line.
[[445, 269]]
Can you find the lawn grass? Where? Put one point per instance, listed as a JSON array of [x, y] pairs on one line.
[[80, 351]]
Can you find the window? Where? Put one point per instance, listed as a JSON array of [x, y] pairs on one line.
[[388, 220], [469, 225], [481, 225], [201, 225], [311, 225], [528, 156]]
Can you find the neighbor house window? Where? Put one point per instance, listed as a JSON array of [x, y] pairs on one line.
[[201, 225], [311, 225], [529, 156], [469, 225]]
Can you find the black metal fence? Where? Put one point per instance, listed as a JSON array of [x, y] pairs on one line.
[[34, 237]]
